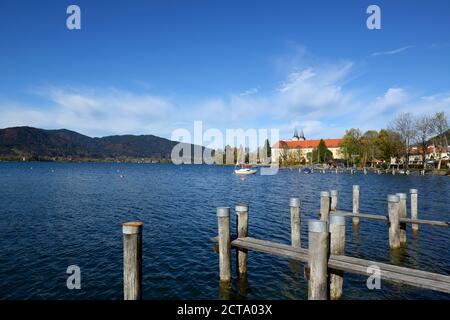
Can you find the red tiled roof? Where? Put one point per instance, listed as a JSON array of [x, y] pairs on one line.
[[419, 150], [330, 143]]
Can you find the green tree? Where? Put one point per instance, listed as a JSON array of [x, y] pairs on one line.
[[321, 154], [265, 153], [389, 144], [369, 147], [351, 145]]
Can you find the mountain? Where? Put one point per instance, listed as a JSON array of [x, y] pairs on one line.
[[30, 143]]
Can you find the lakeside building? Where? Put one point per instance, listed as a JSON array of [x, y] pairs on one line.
[[432, 153], [298, 147]]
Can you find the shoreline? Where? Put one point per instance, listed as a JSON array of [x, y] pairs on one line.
[[428, 172]]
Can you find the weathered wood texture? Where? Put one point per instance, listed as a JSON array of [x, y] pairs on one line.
[[223, 217], [394, 221], [325, 202], [414, 208], [334, 200], [397, 274], [242, 232], [380, 217], [337, 247], [294, 204], [132, 260], [355, 203], [318, 260], [402, 215]]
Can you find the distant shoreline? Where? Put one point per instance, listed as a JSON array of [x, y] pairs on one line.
[[428, 172]]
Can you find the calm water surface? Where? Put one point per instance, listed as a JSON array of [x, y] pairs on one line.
[[53, 215]]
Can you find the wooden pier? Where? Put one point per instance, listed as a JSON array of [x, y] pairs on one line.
[[324, 257]]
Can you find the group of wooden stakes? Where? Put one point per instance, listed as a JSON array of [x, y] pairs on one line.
[[324, 258]]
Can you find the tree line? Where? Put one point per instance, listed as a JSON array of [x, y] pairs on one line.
[[397, 140]]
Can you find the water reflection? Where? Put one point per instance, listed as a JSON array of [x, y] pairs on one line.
[[243, 287], [224, 290], [397, 256], [356, 240]]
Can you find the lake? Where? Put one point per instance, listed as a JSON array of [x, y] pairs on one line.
[[53, 215]]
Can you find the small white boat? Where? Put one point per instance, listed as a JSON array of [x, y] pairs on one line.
[[244, 169]]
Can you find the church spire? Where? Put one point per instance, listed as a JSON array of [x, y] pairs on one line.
[[302, 135], [295, 133]]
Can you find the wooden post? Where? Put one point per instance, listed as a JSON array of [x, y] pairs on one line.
[[223, 217], [355, 204], [334, 199], [402, 214], [394, 221], [414, 208], [132, 260], [318, 260], [324, 205], [242, 232], [294, 204], [337, 247]]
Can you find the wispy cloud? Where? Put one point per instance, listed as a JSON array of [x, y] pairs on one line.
[[316, 97], [94, 112], [391, 52], [249, 92]]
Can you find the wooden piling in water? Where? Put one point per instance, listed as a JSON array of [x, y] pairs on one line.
[[325, 202], [355, 204], [294, 204], [223, 218], [414, 208], [402, 214], [334, 199], [318, 260], [242, 232], [337, 247], [394, 221], [132, 260]]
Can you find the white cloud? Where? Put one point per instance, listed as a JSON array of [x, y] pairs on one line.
[[92, 112], [315, 98], [316, 92], [391, 52]]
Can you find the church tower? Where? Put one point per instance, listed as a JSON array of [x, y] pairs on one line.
[[295, 137], [302, 136]]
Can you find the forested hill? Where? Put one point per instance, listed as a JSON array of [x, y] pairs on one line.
[[29, 143]]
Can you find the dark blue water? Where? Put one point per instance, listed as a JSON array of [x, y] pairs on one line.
[[53, 215]]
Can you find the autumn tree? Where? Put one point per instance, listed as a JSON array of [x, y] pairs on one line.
[[351, 144], [403, 124], [424, 130], [368, 146], [389, 144], [440, 127]]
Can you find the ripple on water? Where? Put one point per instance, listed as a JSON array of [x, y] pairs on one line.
[[73, 215]]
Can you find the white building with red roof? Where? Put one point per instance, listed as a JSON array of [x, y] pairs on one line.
[[298, 147]]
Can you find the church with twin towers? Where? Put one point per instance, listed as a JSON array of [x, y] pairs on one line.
[[298, 147]]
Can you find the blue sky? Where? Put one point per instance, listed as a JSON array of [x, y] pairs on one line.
[[150, 67]]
